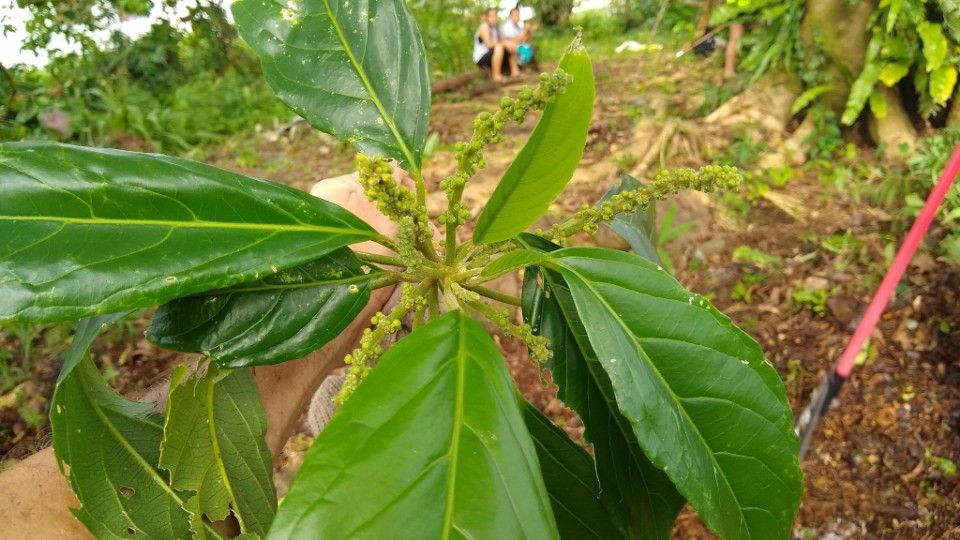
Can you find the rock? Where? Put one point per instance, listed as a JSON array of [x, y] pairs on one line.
[[816, 283]]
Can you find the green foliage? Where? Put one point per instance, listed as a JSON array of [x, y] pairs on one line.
[[923, 170], [776, 41], [907, 37], [168, 90], [447, 27], [131, 473], [679, 404]]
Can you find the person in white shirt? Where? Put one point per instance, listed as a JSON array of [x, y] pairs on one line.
[[490, 49], [517, 36]]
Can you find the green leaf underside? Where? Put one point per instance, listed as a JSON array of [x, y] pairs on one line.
[[109, 448], [431, 445], [703, 402], [278, 318], [638, 229], [354, 69], [214, 448], [641, 500], [93, 231], [568, 472], [547, 161]]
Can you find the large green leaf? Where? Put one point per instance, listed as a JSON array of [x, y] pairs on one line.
[[278, 318], [109, 449], [431, 445], [703, 402], [93, 231], [352, 68], [579, 503], [641, 499], [214, 449], [547, 161]]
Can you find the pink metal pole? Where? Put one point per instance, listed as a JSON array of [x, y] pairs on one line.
[[900, 262]]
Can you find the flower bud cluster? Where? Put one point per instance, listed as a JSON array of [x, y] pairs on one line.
[[393, 200], [487, 128], [539, 346], [371, 342], [666, 183]]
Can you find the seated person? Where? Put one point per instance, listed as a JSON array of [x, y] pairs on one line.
[[490, 49], [517, 37]]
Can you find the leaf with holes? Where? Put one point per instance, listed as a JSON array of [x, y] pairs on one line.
[[353, 68], [214, 451], [94, 231], [447, 455], [109, 449], [278, 318], [683, 376]]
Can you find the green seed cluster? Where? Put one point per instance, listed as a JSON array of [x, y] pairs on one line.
[[666, 183], [393, 200], [371, 348], [487, 128]]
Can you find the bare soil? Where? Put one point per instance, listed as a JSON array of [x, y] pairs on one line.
[[877, 467]]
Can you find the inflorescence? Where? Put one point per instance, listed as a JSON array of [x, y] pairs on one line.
[[458, 277]]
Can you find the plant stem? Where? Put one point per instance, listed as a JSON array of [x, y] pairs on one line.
[[494, 295], [451, 246], [386, 281], [380, 259], [433, 300], [467, 275], [421, 187]]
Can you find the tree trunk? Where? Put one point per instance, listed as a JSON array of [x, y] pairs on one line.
[[953, 117]]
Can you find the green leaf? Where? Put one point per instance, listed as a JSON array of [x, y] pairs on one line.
[[214, 448], [354, 69], [547, 161], [639, 229], [93, 231], [878, 105], [109, 449], [860, 92], [892, 73], [278, 318], [640, 499], [511, 261], [892, 15], [934, 44], [431, 445], [571, 481], [704, 404], [807, 97], [942, 82]]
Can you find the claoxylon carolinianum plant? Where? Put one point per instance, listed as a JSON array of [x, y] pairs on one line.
[[433, 439]]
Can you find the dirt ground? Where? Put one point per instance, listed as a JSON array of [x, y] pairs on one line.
[[878, 467]]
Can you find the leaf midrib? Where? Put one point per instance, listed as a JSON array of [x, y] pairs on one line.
[[374, 97], [674, 398], [197, 224], [458, 422]]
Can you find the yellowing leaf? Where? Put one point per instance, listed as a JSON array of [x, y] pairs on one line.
[[892, 73], [878, 105], [942, 82], [934, 44]]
